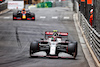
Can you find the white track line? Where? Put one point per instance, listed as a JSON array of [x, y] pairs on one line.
[[66, 18], [43, 17], [54, 17], [7, 17]]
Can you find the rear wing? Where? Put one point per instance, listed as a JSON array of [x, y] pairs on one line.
[[60, 34]]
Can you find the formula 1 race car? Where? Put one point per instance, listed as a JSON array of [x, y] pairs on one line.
[[53, 44], [2, 1], [23, 15]]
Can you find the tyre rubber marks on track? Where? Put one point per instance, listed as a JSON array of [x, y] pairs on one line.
[[17, 37]]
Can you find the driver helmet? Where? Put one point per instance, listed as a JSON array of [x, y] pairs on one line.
[[55, 33], [23, 9]]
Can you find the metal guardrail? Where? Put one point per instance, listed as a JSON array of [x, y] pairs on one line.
[[92, 36], [3, 6]]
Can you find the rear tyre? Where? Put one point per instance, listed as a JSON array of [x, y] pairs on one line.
[[33, 48], [33, 15], [72, 49]]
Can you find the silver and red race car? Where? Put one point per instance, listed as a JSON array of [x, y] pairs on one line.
[[23, 15], [53, 44]]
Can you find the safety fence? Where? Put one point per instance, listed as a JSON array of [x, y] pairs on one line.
[[92, 37], [3, 6]]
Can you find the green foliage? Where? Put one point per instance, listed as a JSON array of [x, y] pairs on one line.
[[44, 5]]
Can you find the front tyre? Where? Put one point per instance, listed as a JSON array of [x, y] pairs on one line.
[[14, 15], [34, 47], [72, 49], [75, 53]]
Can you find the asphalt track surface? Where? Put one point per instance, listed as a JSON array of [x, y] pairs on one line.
[[16, 36]]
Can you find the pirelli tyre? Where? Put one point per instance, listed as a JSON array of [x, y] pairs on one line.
[[33, 48], [33, 15], [72, 49], [14, 15]]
